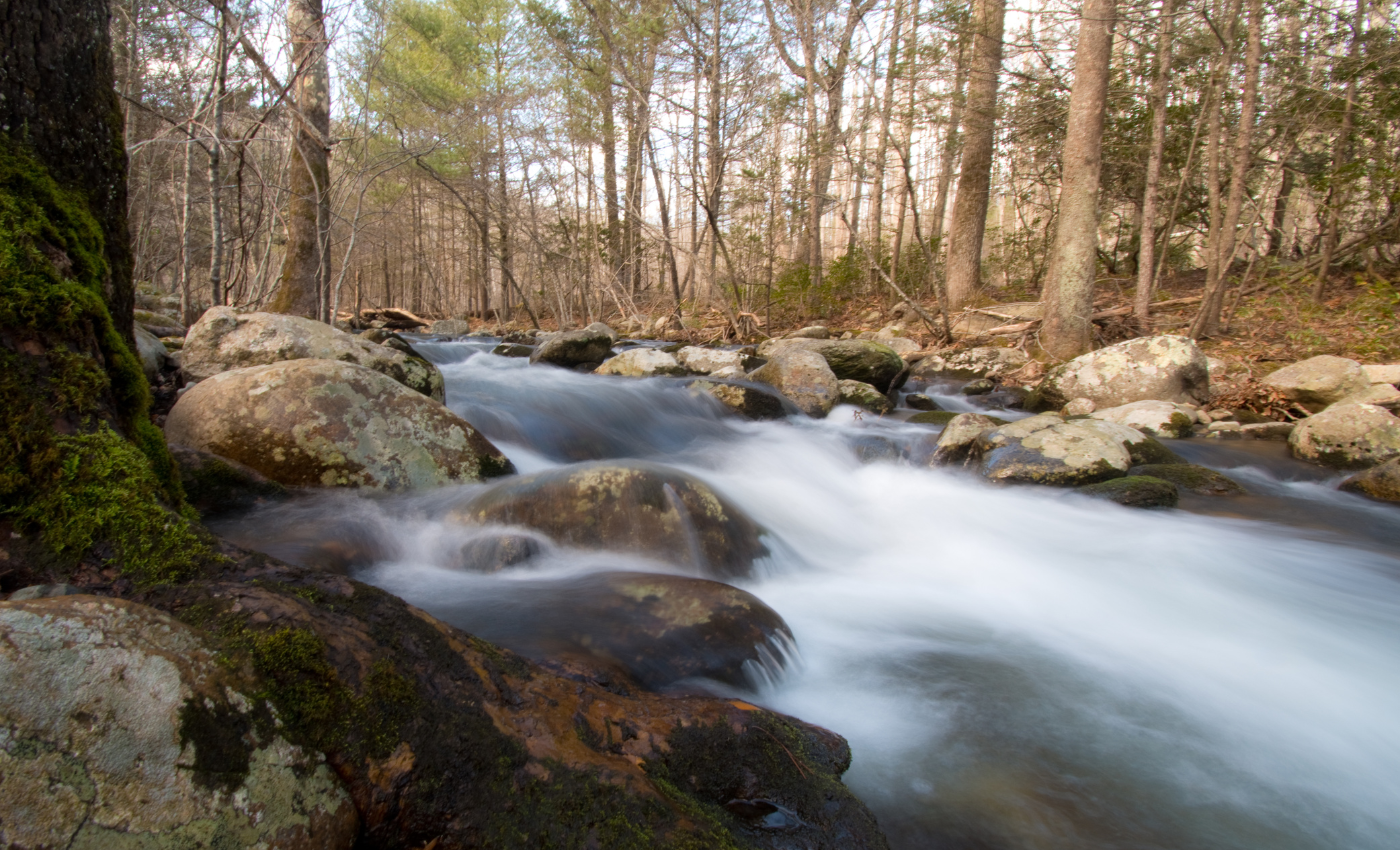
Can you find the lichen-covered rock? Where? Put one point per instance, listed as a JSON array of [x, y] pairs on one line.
[[1319, 381], [850, 359], [323, 423], [1380, 482], [903, 346], [959, 437], [1347, 436], [152, 352], [215, 485], [224, 339], [1191, 477], [582, 347], [1164, 368], [450, 327], [1079, 407], [982, 362], [1045, 449], [491, 553], [1134, 491], [602, 328], [657, 629], [803, 377], [750, 402], [1159, 418], [626, 506], [120, 728], [863, 395], [707, 361], [641, 363]]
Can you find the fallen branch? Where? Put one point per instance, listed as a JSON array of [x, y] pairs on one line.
[[1022, 327]]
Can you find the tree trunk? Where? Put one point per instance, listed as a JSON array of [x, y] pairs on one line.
[[877, 191], [1341, 154], [305, 268], [1069, 286], [216, 179], [964, 265], [1147, 229], [1285, 191], [949, 154]]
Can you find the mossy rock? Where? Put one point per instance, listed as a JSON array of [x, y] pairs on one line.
[[1192, 478], [1381, 483], [216, 485], [1134, 491], [1148, 449]]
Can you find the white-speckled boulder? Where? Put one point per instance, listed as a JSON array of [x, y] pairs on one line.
[[707, 361], [224, 339], [1159, 418], [1347, 436], [803, 377], [960, 436], [120, 728], [861, 394], [1319, 381], [1164, 368], [983, 362], [323, 423], [641, 363], [1046, 449]]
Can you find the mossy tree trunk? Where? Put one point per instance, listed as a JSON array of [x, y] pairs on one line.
[[85, 477]]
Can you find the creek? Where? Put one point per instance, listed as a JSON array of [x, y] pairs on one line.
[[1013, 667]]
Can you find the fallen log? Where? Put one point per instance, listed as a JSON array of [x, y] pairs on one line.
[[394, 318], [1022, 327]]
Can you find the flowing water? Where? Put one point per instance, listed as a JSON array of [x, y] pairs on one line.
[[1013, 667]]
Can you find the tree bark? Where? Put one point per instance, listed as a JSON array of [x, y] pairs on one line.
[[964, 265], [882, 148], [1147, 230], [305, 269], [1068, 298], [1341, 155]]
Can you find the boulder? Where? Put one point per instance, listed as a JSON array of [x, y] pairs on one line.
[[1079, 407], [1046, 449], [1190, 477], [870, 448], [324, 423], [1380, 482], [933, 417], [1347, 436], [900, 345], [1319, 381], [641, 363], [626, 506], [1134, 491], [707, 361], [1383, 374], [981, 386], [960, 436], [45, 591], [120, 727], [1381, 395], [574, 348], [658, 629], [224, 339], [973, 363], [215, 485], [1164, 368], [863, 395], [1267, 430], [919, 401], [601, 328], [152, 352], [748, 401], [491, 553], [513, 349], [158, 323], [450, 327], [810, 332], [803, 377], [1158, 418], [852, 359]]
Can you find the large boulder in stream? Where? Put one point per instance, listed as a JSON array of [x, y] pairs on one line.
[[970, 364], [122, 727], [626, 506], [1133, 491], [215, 485], [323, 423], [641, 363], [224, 339], [654, 628], [1046, 449], [1164, 368], [1347, 436], [584, 347], [707, 361], [863, 395], [444, 740], [1319, 381], [1158, 418], [849, 359], [750, 402], [804, 378]]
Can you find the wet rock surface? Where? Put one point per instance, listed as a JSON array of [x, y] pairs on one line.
[[216, 485], [959, 438], [120, 728], [641, 363], [804, 378], [973, 363], [1133, 491], [584, 347], [224, 339], [748, 401], [1046, 449], [626, 506], [864, 396], [1159, 418], [1191, 478], [323, 423], [1381, 482]]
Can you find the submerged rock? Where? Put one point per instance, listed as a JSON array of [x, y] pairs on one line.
[[852, 359], [1134, 491], [513, 349], [323, 423], [1381, 482], [491, 553], [1158, 418], [1191, 477], [863, 395], [626, 506], [122, 728], [748, 401], [804, 378], [1164, 368], [215, 485], [1319, 381], [224, 339], [574, 348], [1347, 436], [641, 363]]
